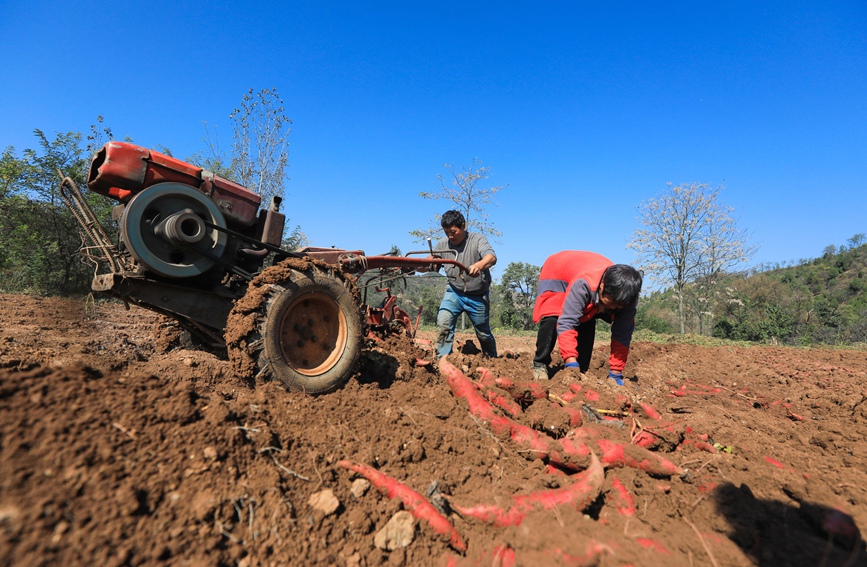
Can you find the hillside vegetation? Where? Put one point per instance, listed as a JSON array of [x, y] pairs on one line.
[[817, 301]]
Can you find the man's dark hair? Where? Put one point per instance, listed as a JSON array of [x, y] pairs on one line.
[[453, 218], [622, 284]]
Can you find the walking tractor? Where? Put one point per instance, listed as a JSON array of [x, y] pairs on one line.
[[194, 246]]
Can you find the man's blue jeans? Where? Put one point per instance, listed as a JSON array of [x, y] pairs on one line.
[[477, 308]]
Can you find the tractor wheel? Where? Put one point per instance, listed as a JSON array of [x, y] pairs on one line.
[[307, 331]]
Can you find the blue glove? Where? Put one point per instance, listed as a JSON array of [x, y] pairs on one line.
[[618, 378], [571, 365]]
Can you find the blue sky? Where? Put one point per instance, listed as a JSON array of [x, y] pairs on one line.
[[583, 110]]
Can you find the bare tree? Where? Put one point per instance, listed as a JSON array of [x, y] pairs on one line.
[[260, 143], [462, 189], [687, 235], [213, 158], [260, 151], [723, 246]]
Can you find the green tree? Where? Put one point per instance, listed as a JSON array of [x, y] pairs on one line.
[[856, 240], [518, 287], [38, 235]]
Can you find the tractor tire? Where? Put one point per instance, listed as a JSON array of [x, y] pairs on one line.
[[306, 332]]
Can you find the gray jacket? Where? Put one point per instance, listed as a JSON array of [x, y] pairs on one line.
[[474, 247]]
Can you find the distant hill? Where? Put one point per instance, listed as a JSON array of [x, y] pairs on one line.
[[817, 301]]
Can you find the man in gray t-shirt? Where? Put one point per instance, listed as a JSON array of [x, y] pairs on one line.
[[466, 293]]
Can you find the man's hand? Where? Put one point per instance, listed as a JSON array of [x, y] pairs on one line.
[[475, 270], [431, 267]]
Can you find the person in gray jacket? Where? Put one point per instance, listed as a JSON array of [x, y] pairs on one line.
[[468, 293]]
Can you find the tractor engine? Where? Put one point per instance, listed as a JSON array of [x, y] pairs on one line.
[[178, 220]]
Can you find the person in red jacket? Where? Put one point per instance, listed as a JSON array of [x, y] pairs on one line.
[[575, 289]]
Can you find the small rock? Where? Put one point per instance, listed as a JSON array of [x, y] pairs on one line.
[[324, 501], [210, 452], [397, 533], [10, 519], [359, 487]]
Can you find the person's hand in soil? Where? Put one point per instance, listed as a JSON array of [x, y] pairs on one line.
[[572, 373]]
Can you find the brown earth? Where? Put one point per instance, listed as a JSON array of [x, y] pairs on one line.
[[120, 447]]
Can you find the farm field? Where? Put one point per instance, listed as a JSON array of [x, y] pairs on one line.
[[118, 446]]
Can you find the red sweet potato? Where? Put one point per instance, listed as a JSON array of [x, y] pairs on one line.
[[531, 443], [650, 411], [521, 391], [580, 494], [486, 377], [412, 500], [617, 454], [508, 405], [774, 462], [620, 498], [627, 455], [571, 454], [504, 556]]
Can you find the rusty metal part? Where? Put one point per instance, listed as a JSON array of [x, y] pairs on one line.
[[121, 170], [203, 311], [94, 236], [313, 334], [388, 313], [596, 416], [356, 262]]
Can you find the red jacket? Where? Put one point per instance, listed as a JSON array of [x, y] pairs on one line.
[[569, 289]]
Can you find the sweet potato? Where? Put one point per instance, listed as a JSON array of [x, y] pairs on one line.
[[531, 443], [650, 410], [508, 405], [579, 494], [486, 377], [412, 500], [571, 454], [621, 499], [627, 455], [618, 454], [520, 391]]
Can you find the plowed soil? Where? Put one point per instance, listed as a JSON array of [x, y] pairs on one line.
[[120, 446]]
